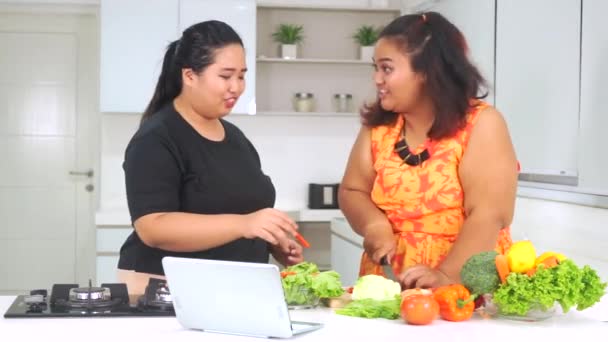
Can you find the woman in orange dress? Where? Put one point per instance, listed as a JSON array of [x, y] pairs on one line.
[[432, 176]]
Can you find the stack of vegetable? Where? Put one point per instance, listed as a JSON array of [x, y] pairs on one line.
[[304, 284], [377, 297], [519, 281]]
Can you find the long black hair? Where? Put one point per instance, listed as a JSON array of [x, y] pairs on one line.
[[437, 50], [194, 50]]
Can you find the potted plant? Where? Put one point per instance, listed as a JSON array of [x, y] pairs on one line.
[[366, 36], [288, 36]]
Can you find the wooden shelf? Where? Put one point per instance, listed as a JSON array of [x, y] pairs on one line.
[[312, 61], [291, 113], [329, 8]]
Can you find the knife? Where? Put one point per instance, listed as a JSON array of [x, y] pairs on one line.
[[388, 270]]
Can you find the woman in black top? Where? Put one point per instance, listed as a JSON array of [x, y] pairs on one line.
[[195, 186]]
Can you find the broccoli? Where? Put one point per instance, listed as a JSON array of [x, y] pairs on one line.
[[479, 274]]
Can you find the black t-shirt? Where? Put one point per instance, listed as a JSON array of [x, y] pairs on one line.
[[170, 167]]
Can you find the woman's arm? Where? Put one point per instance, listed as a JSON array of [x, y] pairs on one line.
[[354, 197], [186, 232], [488, 174]]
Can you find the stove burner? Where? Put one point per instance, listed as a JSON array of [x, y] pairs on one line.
[[84, 294], [163, 294], [156, 297], [83, 298]]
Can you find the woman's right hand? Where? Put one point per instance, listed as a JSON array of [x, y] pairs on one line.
[[271, 225], [379, 242]]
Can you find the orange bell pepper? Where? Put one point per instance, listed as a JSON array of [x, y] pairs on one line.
[[455, 302]]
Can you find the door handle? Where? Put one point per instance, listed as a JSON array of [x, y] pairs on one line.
[[89, 173]]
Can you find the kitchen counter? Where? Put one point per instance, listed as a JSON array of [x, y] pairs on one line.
[[573, 326], [120, 216]]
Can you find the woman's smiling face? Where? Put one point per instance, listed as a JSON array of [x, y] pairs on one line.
[[399, 88]]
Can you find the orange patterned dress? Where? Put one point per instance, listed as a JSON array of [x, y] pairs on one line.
[[425, 203]]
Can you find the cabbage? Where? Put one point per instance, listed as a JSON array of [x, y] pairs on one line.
[[375, 287]]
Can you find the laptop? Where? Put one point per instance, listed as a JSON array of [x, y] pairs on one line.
[[230, 297]]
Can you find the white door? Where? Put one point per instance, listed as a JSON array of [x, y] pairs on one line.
[[48, 68]]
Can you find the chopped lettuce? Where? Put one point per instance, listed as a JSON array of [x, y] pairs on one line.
[[304, 284], [566, 284], [376, 287], [372, 308]]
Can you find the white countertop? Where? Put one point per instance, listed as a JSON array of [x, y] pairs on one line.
[[120, 216], [574, 326]]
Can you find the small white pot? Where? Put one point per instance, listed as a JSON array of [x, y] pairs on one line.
[[289, 51], [367, 53]]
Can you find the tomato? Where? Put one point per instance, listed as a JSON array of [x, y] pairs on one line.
[[419, 309], [416, 291]]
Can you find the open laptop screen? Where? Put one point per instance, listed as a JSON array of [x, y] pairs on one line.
[[230, 297]]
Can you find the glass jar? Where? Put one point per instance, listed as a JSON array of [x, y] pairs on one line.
[[343, 103], [303, 102]]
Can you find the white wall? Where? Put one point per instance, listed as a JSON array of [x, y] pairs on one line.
[[577, 231], [295, 151]]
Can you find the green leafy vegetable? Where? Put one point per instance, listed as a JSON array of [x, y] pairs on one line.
[[566, 284], [327, 284], [372, 308], [304, 284]]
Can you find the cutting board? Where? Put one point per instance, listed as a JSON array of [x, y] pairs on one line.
[[338, 302]]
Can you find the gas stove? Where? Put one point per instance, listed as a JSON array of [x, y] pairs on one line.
[[107, 300]]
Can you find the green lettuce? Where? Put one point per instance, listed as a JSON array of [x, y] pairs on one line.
[[304, 284], [566, 284], [372, 308]]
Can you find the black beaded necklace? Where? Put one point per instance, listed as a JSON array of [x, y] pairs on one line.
[[404, 151]]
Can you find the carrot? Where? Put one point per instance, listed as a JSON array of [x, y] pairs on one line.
[[549, 262], [287, 273], [502, 266], [302, 240]]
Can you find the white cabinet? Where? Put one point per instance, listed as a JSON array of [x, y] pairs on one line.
[[346, 251], [134, 36], [241, 15], [594, 102], [537, 81], [478, 30], [109, 240]]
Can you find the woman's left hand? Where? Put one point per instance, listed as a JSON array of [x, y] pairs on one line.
[[289, 256], [422, 276]]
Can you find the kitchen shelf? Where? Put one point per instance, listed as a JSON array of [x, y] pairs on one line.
[[313, 7], [292, 113], [312, 60], [327, 62]]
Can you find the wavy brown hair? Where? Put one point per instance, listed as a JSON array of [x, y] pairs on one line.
[[437, 50]]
